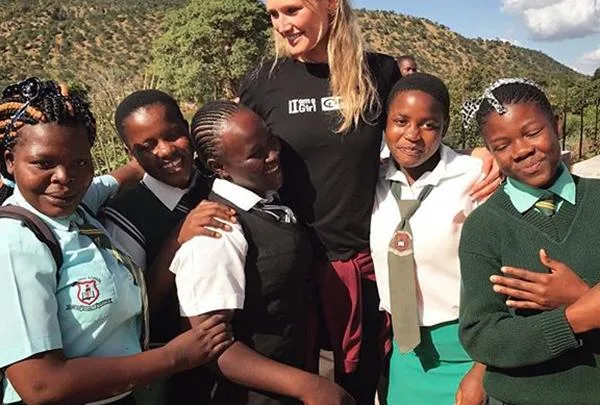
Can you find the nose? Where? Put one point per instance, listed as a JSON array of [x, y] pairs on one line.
[[412, 133], [522, 149], [281, 24], [63, 175], [163, 150]]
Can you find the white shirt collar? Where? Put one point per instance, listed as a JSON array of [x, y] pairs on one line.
[[448, 166], [238, 195], [166, 194]]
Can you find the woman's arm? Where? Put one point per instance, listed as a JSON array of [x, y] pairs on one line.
[[49, 377], [244, 366], [129, 174]]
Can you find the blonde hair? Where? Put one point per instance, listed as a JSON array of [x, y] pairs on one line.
[[350, 77]]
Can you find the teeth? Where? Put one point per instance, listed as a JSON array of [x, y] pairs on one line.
[[273, 170], [172, 164], [293, 37]]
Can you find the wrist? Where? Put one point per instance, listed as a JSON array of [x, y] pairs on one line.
[[169, 357], [307, 384], [577, 318]]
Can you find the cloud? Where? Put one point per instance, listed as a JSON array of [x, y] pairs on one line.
[[555, 20], [589, 62]]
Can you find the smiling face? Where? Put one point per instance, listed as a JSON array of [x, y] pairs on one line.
[[304, 25], [52, 167], [250, 154], [524, 142], [159, 141], [414, 131], [407, 67]]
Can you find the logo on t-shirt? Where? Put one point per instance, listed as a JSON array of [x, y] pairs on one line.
[[309, 105], [331, 103], [302, 105]]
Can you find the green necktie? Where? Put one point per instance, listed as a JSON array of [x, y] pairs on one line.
[[546, 204], [402, 274], [102, 241]]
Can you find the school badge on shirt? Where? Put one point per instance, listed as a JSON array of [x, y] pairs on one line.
[[87, 291], [401, 244]]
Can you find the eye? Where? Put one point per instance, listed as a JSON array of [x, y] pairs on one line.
[[44, 164], [172, 136], [431, 125], [533, 133], [500, 147], [400, 121], [82, 162]]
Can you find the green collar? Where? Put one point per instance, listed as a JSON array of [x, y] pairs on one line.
[[523, 197]]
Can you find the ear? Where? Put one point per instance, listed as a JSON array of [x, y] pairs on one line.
[[217, 168], [558, 125], [9, 158]]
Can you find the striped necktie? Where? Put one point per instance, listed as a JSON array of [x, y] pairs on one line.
[[546, 204], [281, 213], [102, 241]]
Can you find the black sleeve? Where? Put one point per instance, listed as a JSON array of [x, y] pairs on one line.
[[250, 90]]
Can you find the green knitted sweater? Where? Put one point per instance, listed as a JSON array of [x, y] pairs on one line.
[[532, 357]]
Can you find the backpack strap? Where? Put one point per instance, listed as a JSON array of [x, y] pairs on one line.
[[39, 228]]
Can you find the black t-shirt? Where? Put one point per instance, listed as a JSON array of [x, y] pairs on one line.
[[329, 177]]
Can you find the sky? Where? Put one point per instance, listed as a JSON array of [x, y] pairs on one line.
[[566, 30]]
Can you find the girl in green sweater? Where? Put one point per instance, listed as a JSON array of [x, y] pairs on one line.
[[537, 333]]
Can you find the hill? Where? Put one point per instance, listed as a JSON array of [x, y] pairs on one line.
[[104, 46], [442, 51], [80, 38]]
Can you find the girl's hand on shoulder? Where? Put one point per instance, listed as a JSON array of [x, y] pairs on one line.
[[201, 344], [209, 219], [321, 391], [531, 290], [470, 390], [492, 176]]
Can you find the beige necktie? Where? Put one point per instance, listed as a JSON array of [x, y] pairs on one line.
[[402, 274]]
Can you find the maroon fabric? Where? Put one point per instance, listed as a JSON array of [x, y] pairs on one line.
[[341, 305]]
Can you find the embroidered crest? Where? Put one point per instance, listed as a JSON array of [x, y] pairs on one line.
[[87, 291], [401, 244]]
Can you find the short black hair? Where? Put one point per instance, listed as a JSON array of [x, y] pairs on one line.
[[34, 101], [426, 83], [514, 93], [207, 128], [144, 98]]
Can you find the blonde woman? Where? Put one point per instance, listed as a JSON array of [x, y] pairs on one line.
[[323, 96]]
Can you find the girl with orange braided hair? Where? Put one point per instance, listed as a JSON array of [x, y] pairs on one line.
[[76, 329]]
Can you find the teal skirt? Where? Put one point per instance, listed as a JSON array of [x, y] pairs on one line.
[[430, 374]]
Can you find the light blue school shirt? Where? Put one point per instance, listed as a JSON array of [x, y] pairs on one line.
[[94, 309], [523, 196]]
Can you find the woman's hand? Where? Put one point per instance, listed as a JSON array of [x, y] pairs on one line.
[[531, 290], [492, 177], [470, 390], [321, 391], [202, 343], [205, 216], [584, 314]]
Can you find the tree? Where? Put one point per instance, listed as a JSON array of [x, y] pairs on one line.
[[209, 45], [596, 76]]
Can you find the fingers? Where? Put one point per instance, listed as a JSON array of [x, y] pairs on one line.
[[214, 320], [210, 209], [485, 187], [522, 274], [526, 305], [551, 263]]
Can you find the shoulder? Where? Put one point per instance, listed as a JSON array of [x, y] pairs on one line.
[[100, 191], [466, 163], [200, 245], [20, 242]]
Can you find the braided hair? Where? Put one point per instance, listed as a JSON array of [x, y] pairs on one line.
[[514, 93], [33, 102], [207, 127]]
